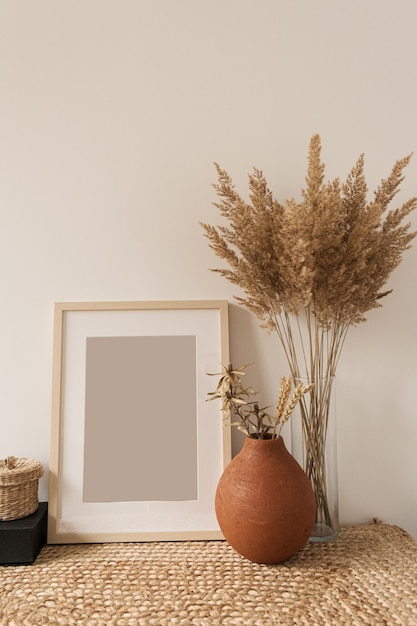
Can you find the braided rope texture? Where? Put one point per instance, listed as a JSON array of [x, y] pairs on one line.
[[368, 577]]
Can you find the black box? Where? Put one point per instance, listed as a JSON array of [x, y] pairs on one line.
[[21, 540]]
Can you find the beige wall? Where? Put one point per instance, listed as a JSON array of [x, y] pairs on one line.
[[111, 115]]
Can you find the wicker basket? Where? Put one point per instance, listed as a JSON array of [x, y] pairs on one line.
[[19, 480]]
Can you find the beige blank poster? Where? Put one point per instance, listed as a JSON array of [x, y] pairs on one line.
[[140, 419]]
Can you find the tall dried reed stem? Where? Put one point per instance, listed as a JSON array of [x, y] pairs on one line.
[[319, 350], [311, 269]]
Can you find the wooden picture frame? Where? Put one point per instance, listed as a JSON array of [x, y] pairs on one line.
[[136, 449]]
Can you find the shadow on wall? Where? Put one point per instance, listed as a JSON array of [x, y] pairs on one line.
[[251, 344]]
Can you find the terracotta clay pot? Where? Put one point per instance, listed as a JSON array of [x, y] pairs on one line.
[[265, 504]]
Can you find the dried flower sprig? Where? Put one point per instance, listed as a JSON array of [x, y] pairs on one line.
[[253, 420]]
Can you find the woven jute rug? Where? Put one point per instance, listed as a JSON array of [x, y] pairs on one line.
[[367, 577]]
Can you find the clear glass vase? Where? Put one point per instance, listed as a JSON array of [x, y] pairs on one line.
[[314, 445]]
